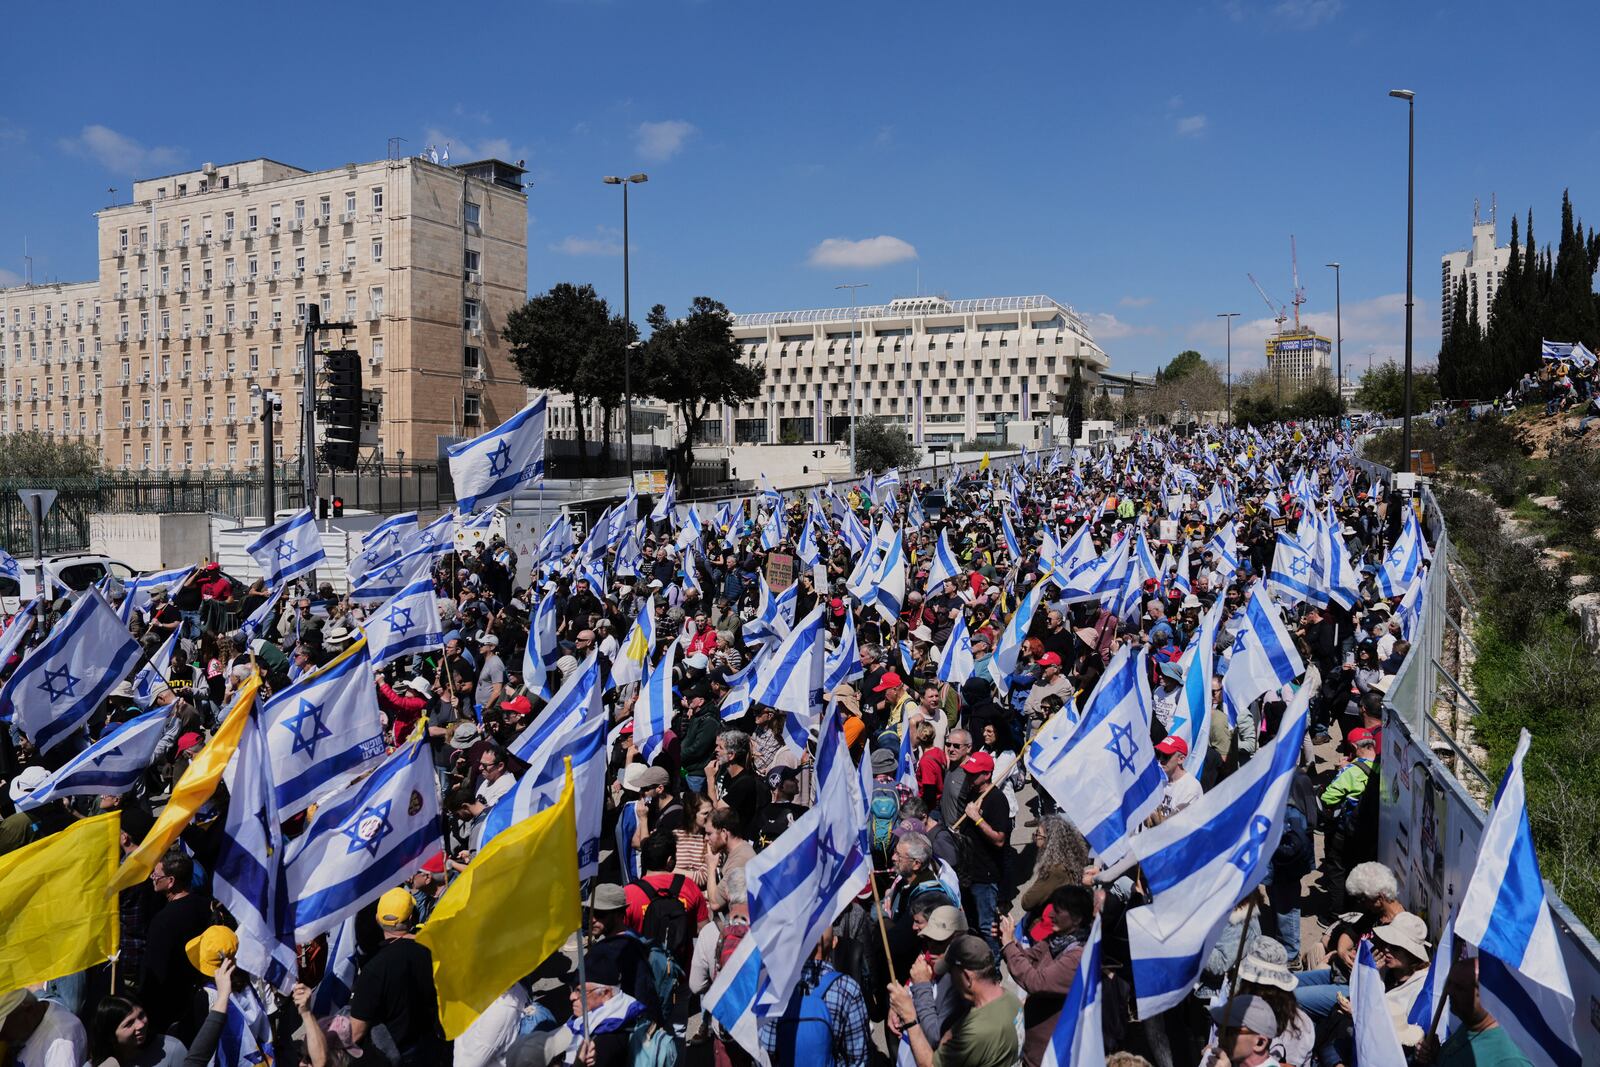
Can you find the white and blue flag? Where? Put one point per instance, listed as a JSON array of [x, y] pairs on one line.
[[556, 542], [1078, 1039], [1192, 719], [652, 710], [339, 977], [258, 620], [844, 662], [790, 679], [391, 533], [109, 767], [9, 567], [372, 835], [1376, 1043], [1009, 646], [490, 467], [291, 548], [889, 581], [149, 680], [1522, 977], [1433, 993], [543, 651], [136, 592], [945, 567], [1403, 561], [1263, 656], [572, 726], [405, 624], [248, 870], [323, 730], [1293, 575], [393, 576], [1342, 579], [61, 682], [1203, 860], [1101, 768], [956, 660]]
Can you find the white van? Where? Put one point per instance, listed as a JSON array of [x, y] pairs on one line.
[[75, 571]]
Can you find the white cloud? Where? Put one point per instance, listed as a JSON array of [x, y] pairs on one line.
[[606, 241], [467, 151], [1107, 327], [1376, 326], [868, 252], [1307, 14], [657, 141], [1136, 301], [1191, 125], [121, 154], [9, 278]]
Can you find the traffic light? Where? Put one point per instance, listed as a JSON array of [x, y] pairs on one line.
[[338, 507], [339, 409]]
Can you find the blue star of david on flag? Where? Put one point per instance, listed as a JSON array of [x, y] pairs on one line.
[[296, 725], [1249, 853], [59, 683], [399, 620], [368, 829], [286, 551], [1238, 643], [500, 459], [1119, 734], [1300, 566]]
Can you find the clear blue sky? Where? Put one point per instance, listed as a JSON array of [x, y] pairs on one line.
[[1132, 160]]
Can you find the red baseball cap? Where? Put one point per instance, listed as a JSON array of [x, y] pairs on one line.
[[519, 704], [837, 604], [1360, 734], [1049, 659], [889, 681], [1173, 743], [189, 740], [434, 864], [978, 762]]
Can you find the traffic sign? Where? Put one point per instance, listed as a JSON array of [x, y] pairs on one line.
[[46, 497]]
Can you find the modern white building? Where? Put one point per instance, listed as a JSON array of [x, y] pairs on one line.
[[1483, 264], [945, 370]]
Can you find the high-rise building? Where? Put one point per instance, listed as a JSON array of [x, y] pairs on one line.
[[1483, 264], [1299, 355], [944, 370], [202, 292]]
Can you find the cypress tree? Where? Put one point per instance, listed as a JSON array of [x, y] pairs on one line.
[[1455, 373], [1506, 317], [1571, 315]]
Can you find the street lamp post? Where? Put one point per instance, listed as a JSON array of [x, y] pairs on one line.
[[852, 286], [1338, 325], [1411, 180], [627, 315], [1228, 317]]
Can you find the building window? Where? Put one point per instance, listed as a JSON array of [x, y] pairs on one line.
[[471, 259], [472, 409], [472, 357], [377, 201], [375, 300], [472, 314], [377, 350], [474, 213], [377, 250]]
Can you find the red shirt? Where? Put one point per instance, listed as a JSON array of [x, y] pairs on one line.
[[694, 901], [931, 768]]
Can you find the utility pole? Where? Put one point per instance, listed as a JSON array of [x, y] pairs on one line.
[[1411, 183], [854, 330], [308, 406], [1338, 323], [1228, 317], [271, 403]]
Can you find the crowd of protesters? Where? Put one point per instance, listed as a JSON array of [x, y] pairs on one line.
[[963, 949]]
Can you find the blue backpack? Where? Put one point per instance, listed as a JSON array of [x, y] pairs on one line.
[[805, 1038]]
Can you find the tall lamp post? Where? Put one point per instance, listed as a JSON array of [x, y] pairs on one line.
[[627, 315], [1228, 317], [1411, 181], [852, 286], [1338, 325]]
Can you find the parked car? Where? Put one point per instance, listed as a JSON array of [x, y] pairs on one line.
[[75, 572]]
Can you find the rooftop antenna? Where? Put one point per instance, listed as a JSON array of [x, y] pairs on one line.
[[394, 146], [27, 261], [1476, 214], [1492, 207], [1299, 296]]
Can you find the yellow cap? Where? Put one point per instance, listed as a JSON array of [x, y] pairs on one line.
[[214, 945], [396, 908]]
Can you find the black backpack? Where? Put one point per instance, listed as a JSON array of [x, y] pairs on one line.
[[666, 921]]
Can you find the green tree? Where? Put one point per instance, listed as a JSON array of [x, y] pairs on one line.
[[1103, 410], [881, 445], [1382, 390], [1315, 401], [1571, 312], [33, 456], [695, 365], [567, 341], [1182, 365], [1073, 406]]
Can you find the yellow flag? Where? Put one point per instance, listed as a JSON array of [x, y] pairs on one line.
[[516, 903], [199, 781], [57, 916], [983, 464]]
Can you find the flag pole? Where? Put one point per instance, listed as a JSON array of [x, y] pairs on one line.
[[883, 931], [1238, 957]]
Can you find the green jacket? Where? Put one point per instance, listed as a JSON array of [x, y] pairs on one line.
[[1348, 785], [699, 741]]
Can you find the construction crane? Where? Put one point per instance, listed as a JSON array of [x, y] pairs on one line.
[[1299, 296], [1279, 315]]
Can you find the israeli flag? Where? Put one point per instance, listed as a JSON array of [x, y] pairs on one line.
[[339, 977], [843, 663], [633, 658], [572, 726], [1432, 993], [1263, 656], [771, 531], [889, 591], [1522, 977], [248, 872], [1203, 860], [1403, 561], [392, 579], [800, 882], [543, 650], [664, 505], [291, 548], [9, 567], [867, 563], [1102, 769], [1180, 577], [1009, 646], [556, 542], [1225, 543], [737, 702], [1376, 1043], [652, 711], [956, 660], [1292, 577], [324, 730], [694, 529], [769, 625], [1078, 1039], [61, 682], [392, 532], [109, 767], [370, 836], [1555, 350], [246, 1039], [790, 679], [1192, 720], [489, 468], [945, 566], [1013, 543], [138, 591], [149, 680], [405, 624], [855, 534], [258, 620], [1343, 581], [368, 560], [1409, 612]]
